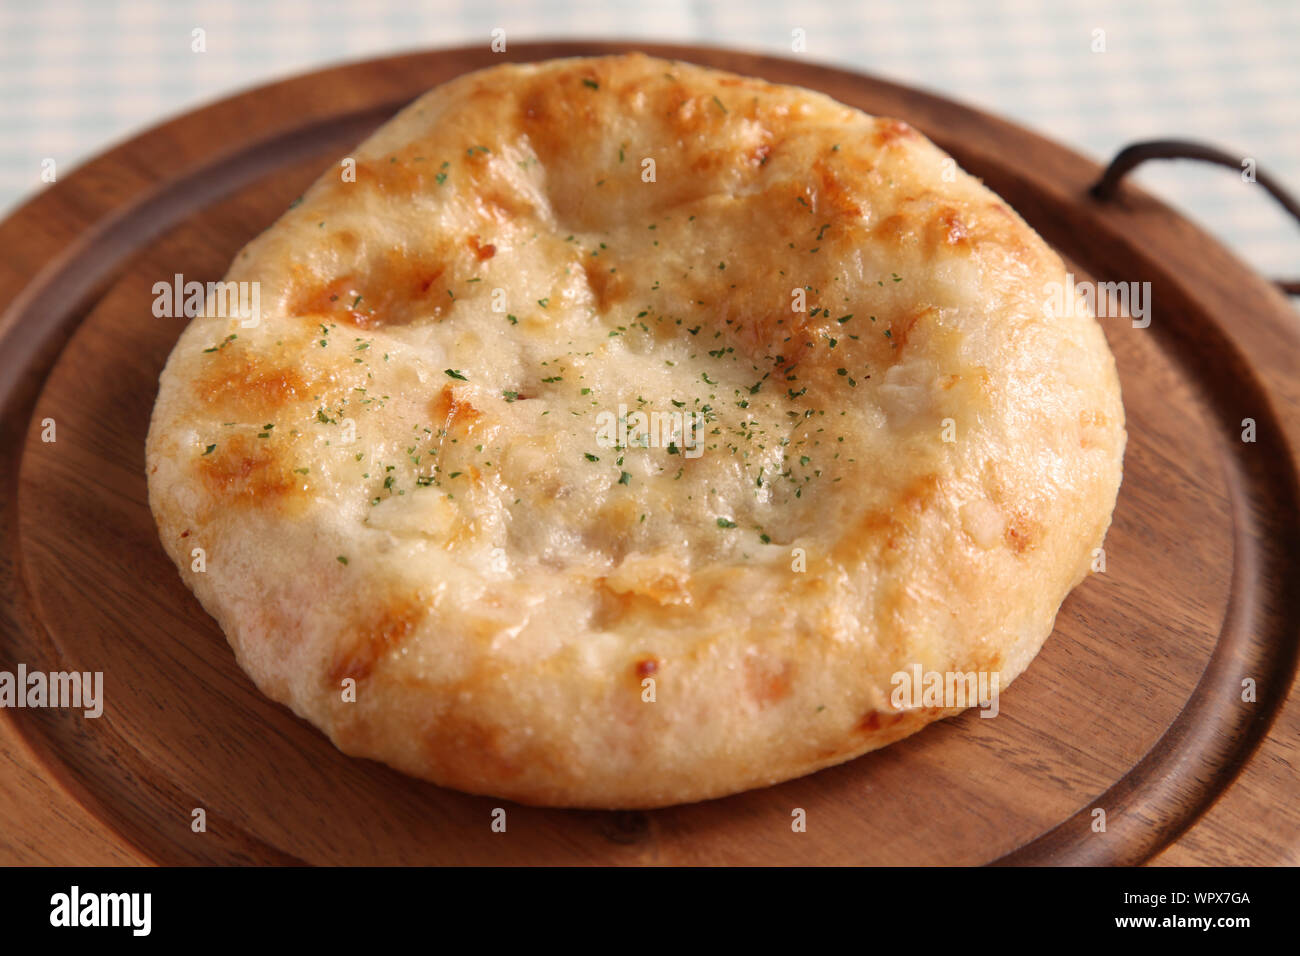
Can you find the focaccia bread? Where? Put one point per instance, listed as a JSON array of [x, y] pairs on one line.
[[419, 530]]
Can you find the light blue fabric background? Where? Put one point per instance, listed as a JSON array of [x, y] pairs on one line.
[[79, 76]]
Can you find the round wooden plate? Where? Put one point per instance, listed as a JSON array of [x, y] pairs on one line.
[[1134, 707]]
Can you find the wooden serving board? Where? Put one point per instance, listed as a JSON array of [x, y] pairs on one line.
[[1134, 706]]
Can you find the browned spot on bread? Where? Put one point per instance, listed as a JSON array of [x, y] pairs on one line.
[[487, 743], [901, 327], [890, 131], [888, 526], [409, 175], [919, 494], [482, 251], [248, 471], [892, 228], [395, 178], [562, 115], [708, 162], [534, 107], [780, 337], [469, 753], [794, 351], [647, 666], [1022, 533], [499, 206], [744, 82], [984, 661], [1093, 418], [1090, 422], [696, 117], [557, 109], [451, 414], [608, 287], [952, 231], [373, 637], [395, 287], [410, 172], [323, 298], [833, 198], [874, 720], [767, 681], [619, 598], [1008, 235], [242, 383], [625, 608]]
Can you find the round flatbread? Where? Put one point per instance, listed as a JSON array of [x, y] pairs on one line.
[[614, 432]]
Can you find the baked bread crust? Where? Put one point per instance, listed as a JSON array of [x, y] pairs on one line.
[[942, 450]]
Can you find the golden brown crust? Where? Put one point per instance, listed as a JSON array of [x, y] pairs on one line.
[[399, 485]]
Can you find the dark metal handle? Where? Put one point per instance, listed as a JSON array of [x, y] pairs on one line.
[[1134, 155]]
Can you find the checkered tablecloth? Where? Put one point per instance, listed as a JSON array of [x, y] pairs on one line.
[[78, 75]]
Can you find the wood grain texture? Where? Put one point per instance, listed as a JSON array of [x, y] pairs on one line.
[[1133, 706]]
